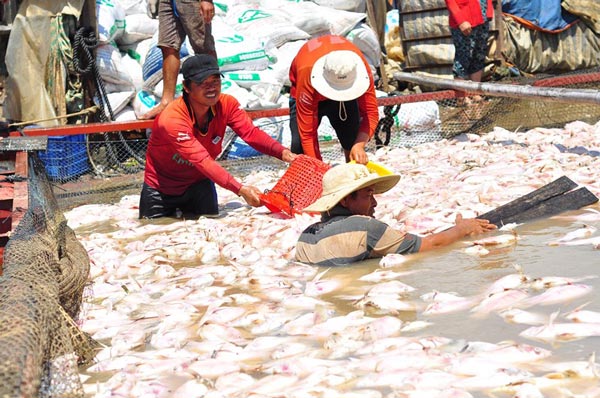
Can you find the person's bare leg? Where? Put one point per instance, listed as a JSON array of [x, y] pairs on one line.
[[476, 77], [462, 101], [170, 70]]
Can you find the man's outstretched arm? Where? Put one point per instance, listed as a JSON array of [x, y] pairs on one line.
[[463, 227]]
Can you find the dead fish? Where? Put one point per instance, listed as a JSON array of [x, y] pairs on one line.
[[584, 232], [561, 332], [379, 275], [499, 301], [390, 287], [546, 282], [519, 316], [450, 305], [392, 260], [585, 316], [190, 389], [594, 241], [511, 281], [319, 286], [558, 294], [583, 369], [386, 303], [512, 353], [210, 368], [493, 379], [414, 326], [498, 240], [476, 250]]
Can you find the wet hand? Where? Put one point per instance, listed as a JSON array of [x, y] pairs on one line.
[[473, 226], [251, 195]]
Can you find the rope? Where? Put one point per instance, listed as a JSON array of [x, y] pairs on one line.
[[84, 61], [385, 124], [85, 41], [62, 81]]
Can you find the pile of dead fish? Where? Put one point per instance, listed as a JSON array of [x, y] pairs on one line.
[[217, 307]]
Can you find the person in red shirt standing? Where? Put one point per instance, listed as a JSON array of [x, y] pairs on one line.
[[470, 27], [331, 77], [186, 138]]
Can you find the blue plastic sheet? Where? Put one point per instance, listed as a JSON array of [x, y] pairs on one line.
[[545, 14]]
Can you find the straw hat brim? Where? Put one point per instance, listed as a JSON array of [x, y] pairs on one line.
[[358, 88], [380, 184]]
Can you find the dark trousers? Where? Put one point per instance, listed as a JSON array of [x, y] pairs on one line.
[[199, 199], [346, 130]]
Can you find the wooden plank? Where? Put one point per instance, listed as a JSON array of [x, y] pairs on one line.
[[573, 200], [23, 144], [506, 213], [6, 191]]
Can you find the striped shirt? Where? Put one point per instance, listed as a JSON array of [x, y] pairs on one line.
[[341, 238]]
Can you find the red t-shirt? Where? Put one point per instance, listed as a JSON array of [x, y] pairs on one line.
[[179, 154], [467, 10], [307, 98]]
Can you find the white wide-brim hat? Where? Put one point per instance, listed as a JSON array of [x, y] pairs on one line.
[[340, 76], [340, 181]]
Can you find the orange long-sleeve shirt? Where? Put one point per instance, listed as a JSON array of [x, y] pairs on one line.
[[307, 98], [179, 154]]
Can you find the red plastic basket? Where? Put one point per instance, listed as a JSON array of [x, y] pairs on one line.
[[298, 187]]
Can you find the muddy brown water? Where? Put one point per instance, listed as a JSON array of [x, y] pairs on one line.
[[450, 269]]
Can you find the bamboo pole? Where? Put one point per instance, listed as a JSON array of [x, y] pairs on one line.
[[556, 94]]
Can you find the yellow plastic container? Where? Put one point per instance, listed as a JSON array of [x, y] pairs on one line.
[[377, 168]]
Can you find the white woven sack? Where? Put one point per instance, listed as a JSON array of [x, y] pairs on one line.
[[137, 28], [110, 17], [271, 27], [237, 50]]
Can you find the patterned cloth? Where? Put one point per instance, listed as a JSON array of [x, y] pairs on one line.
[[341, 238], [470, 51]]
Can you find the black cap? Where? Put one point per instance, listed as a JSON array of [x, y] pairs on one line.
[[200, 66]]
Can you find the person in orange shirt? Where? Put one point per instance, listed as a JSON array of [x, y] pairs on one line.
[[331, 77]]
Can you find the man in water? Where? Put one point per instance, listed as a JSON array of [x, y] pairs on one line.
[[348, 232]]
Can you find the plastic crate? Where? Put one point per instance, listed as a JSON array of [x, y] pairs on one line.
[[65, 157], [298, 187]]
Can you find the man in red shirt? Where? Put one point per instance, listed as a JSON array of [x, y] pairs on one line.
[[187, 136], [331, 77]]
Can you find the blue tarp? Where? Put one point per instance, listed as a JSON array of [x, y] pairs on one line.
[[545, 14]]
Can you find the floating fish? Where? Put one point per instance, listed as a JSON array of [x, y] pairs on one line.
[[584, 232], [584, 316], [499, 301], [522, 317], [498, 240], [558, 294], [561, 332], [392, 260]]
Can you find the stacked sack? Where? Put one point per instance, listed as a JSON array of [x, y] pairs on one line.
[[255, 43]]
